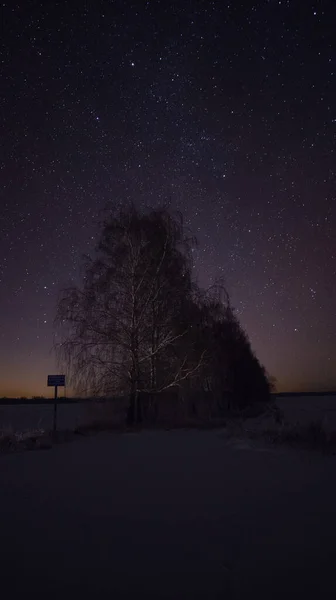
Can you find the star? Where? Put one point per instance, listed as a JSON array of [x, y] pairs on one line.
[[235, 136]]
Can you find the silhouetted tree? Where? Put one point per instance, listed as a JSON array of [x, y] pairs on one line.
[[230, 371], [139, 325], [120, 330], [243, 379]]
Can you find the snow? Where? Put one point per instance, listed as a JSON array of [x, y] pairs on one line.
[[302, 409], [184, 514]]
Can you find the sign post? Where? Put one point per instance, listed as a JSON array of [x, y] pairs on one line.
[[55, 381]]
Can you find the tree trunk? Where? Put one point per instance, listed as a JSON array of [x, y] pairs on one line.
[[132, 408], [156, 409], [139, 407], [154, 342]]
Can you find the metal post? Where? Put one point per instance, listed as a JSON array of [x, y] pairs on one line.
[[55, 412]]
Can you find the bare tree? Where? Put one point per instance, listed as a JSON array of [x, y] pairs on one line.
[[119, 332]]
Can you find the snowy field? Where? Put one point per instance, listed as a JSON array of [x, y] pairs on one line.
[[168, 515], [33, 416], [303, 409]]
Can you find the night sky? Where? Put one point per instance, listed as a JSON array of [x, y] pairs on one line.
[[225, 111]]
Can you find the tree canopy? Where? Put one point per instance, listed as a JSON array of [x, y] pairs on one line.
[[140, 324]]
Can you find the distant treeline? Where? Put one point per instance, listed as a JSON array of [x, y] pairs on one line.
[[51, 400], [74, 400], [291, 394], [37, 400]]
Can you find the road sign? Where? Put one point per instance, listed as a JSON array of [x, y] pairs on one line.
[[56, 380]]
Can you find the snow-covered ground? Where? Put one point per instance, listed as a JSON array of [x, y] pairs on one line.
[[33, 416], [303, 409], [184, 514]]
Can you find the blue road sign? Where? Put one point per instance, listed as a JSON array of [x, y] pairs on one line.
[[56, 380]]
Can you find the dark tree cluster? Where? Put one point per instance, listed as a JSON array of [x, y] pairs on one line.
[[142, 328]]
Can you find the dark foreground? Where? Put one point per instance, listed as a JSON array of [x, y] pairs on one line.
[[168, 515]]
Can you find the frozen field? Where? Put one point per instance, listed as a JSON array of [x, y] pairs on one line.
[[304, 409], [33, 416], [30, 416], [168, 515]]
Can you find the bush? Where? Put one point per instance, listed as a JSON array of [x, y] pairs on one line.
[[6, 442], [312, 436], [14, 441]]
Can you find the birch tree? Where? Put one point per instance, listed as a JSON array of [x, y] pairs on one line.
[[120, 331]]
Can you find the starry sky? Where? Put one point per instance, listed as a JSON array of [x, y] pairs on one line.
[[223, 110]]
